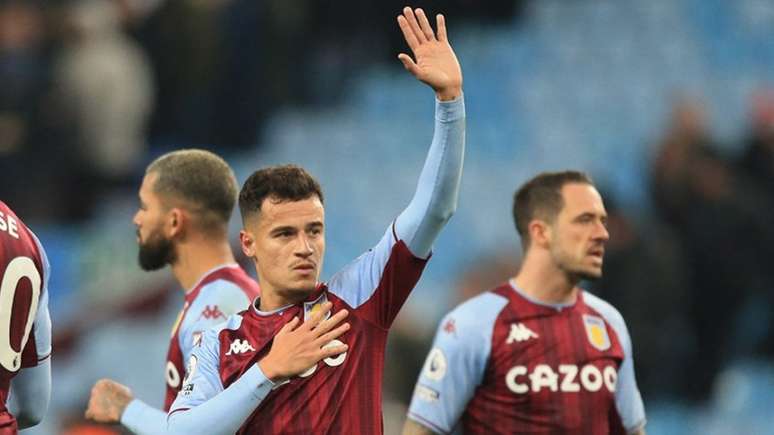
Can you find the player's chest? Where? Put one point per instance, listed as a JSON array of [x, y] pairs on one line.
[[566, 352], [242, 348]]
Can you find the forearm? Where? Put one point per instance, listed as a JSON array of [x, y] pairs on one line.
[[225, 412], [411, 427], [143, 419], [32, 391], [435, 199]]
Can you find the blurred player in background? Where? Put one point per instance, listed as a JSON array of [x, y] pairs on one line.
[[283, 216], [186, 201], [25, 325], [536, 354]]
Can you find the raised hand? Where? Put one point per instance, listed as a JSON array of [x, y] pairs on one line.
[[435, 64], [108, 401], [296, 349]]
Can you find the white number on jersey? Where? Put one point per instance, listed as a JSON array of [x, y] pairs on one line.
[[18, 268]]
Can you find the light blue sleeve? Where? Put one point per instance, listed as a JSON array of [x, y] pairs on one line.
[[30, 390], [628, 400], [435, 199], [216, 302], [42, 327], [420, 223], [455, 365], [203, 405], [143, 419]]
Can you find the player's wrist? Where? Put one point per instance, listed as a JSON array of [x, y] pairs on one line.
[[270, 371], [449, 93]]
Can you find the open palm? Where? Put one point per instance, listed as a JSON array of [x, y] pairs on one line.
[[436, 64]]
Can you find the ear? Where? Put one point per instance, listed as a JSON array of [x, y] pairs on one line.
[[176, 221], [540, 233], [247, 242]]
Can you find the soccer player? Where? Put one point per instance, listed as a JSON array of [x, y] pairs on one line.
[[25, 326], [284, 223], [186, 200], [536, 354]]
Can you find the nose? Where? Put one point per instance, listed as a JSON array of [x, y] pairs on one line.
[[602, 234], [305, 248], [136, 218]]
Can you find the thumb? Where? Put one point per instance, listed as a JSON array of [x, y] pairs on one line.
[[409, 64]]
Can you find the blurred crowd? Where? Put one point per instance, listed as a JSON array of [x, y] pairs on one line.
[[91, 89]]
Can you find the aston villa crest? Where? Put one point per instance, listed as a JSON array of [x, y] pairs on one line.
[[311, 307], [596, 331]]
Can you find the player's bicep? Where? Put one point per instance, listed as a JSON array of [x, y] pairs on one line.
[[215, 304], [452, 371], [358, 280], [202, 379]]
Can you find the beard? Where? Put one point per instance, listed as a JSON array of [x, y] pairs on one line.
[[582, 275], [156, 253], [575, 271]]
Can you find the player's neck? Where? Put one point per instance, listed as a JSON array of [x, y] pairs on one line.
[[544, 282], [271, 299], [194, 259]]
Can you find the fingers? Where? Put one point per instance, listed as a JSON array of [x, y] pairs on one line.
[[440, 24], [333, 351], [330, 336], [413, 24], [288, 327], [318, 316], [330, 323], [424, 25], [408, 34]]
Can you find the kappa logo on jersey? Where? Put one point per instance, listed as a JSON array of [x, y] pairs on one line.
[[311, 307], [566, 379], [596, 332], [435, 365], [240, 346], [212, 313], [520, 333]]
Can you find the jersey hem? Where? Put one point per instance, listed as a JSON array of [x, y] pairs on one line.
[[427, 423]]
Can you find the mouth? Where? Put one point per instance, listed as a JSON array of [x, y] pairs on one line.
[[305, 267], [597, 253]]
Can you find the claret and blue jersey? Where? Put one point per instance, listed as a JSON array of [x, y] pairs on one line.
[[340, 394], [225, 390], [502, 363]]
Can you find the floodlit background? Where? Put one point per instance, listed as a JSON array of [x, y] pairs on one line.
[[669, 104]]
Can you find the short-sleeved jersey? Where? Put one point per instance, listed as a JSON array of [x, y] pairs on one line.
[[504, 364], [339, 395], [220, 293], [25, 326]]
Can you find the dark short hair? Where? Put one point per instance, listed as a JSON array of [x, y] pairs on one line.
[[541, 197], [203, 181], [281, 183]]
